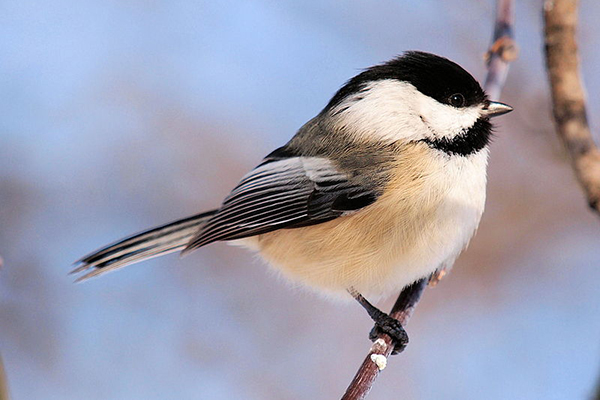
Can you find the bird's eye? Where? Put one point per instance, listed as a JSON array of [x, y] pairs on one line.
[[457, 100]]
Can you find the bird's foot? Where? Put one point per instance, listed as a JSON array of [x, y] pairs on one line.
[[393, 328], [384, 323]]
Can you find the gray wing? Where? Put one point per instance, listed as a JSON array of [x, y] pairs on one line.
[[284, 193]]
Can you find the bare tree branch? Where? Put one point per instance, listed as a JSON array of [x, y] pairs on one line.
[[502, 51], [568, 99], [3, 382], [568, 96], [376, 360]]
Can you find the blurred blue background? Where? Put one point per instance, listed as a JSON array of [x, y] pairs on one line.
[[120, 115]]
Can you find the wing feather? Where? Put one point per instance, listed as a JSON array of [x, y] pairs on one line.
[[284, 193]]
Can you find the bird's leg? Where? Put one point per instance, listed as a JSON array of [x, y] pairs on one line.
[[383, 323]]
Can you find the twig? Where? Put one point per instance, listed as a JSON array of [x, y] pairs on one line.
[[502, 51], [568, 96], [3, 382], [376, 360]]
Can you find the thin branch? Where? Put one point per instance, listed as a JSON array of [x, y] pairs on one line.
[[502, 51], [3, 382], [568, 96], [376, 360]]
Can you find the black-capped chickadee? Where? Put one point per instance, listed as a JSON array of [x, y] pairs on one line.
[[385, 186]]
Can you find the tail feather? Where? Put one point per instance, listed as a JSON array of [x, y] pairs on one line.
[[142, 246]]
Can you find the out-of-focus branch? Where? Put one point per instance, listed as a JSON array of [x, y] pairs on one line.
[[568, 96], [3, 382], [568, 99], [502, 51]]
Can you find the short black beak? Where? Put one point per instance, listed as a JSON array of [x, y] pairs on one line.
[[495, 108]]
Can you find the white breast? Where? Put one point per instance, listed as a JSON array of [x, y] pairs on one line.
[[423, 221], [463, 181]]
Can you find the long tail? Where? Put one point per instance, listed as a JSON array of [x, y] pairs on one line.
[[142, 246]]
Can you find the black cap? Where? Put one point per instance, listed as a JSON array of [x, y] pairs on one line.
[[432, 75]]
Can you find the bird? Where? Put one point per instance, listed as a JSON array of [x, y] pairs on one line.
[[385, 186]]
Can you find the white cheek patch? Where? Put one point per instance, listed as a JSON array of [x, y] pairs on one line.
[[392, 110], [383, 110], [445, 121]]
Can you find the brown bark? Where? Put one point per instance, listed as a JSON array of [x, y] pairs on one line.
[[568, 95], [383, 346], [3, 382], [568, 99]]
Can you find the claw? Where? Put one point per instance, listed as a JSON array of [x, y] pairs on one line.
[[392, 328]]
